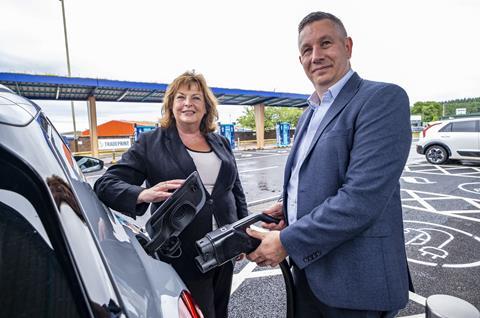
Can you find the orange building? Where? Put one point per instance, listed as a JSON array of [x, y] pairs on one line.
[[118, 128], [120, 132]]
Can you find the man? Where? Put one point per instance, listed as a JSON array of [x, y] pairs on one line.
[[341, 196]]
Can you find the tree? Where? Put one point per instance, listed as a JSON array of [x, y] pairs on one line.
[[472, 106], [273, 115], [430, 111]]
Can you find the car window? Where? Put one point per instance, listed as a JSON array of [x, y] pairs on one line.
[[464, 126], [446, 128], [33, 284], [63, 151]]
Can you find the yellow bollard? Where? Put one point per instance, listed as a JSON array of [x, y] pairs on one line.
[[113, 158]]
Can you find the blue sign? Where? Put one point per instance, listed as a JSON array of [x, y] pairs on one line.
[[141, 129], [283, 134], [227, 130]]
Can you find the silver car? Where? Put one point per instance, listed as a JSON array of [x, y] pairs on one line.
[[62, 252]]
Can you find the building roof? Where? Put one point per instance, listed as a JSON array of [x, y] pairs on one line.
[[46, 87], [117, 128]]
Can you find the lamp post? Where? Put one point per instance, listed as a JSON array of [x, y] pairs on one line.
[[75, 140]]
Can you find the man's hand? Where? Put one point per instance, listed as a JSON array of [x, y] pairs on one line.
[[276, 211], [159, 192], [270, 252]]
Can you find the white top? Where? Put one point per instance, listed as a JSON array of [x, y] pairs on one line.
[[208, 166]]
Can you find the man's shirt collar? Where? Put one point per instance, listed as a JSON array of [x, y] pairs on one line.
[[332, 92]]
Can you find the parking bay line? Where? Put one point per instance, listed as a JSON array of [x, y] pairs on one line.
[[259, 169], [441, 172], [414, 194], [257, 202], [248, 272], [260, 153], [261, 157], [241, 276]]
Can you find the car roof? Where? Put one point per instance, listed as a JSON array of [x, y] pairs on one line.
[[461, 119], [14, 109]]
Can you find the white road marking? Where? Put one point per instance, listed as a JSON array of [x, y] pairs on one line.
[[417, 298], [261, 157], [429, 198], [257, 202], [414, 316], [248, 272], [464, 211], [424, 203], [474, 264], [421, 262], [261, 153], [426, 207], [475, 190], [265, 272], [415, 161], [452, 214], [443, 170], [259, 169], [467, 173], [241, 276], [417, 180], [465, 265]]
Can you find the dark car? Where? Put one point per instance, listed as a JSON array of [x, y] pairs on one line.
[[62, 252]]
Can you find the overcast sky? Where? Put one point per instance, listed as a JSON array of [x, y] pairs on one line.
[[429, 47]]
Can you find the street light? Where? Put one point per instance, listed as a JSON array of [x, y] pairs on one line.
[[75, 141]]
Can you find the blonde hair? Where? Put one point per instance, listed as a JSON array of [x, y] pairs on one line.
[[208, 123]]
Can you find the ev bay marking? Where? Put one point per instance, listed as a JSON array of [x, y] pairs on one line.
[[432, 244]]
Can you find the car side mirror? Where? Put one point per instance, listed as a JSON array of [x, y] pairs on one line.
[[89, 164]]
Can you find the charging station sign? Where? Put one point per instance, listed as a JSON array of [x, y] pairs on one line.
[[141, 129]]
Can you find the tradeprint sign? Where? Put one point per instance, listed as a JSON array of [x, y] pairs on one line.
[[114, 143]]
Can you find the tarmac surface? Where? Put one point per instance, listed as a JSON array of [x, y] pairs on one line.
[[441, 206]]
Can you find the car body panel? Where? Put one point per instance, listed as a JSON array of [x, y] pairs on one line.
[[110, 261]]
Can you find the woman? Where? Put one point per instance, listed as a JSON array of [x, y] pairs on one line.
[[163, 158]]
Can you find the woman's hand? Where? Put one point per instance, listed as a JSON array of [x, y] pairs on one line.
[[159, 192], [276, 211]]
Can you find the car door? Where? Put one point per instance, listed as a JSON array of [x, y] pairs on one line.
[[463, 139]]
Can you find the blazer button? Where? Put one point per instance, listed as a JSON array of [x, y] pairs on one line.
[[210, 201]]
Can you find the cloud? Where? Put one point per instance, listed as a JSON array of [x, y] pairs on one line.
[[428, 47]]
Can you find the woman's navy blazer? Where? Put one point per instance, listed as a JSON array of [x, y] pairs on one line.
[[160, 155]]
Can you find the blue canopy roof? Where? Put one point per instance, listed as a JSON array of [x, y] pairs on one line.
[[45, 87]]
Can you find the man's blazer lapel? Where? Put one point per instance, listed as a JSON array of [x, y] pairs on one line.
[[302, 126], [178, 152], [343, 98]]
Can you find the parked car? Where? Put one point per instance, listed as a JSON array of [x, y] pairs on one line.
[[451, 139], [62, 252]]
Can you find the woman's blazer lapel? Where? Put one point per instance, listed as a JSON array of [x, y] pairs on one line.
[[178, 153], [226, 175]]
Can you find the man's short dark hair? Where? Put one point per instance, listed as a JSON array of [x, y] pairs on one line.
[[319, 15]]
